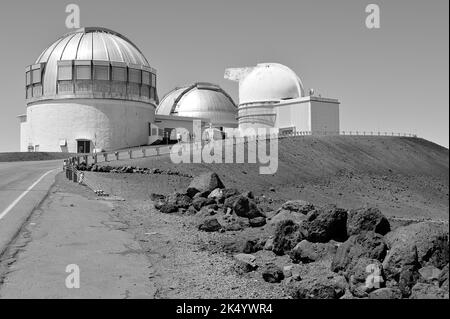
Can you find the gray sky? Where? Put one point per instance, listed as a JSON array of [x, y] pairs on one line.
[[391, 79]]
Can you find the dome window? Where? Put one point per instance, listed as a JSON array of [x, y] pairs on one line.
[[101, 70], [83, 70], [134, 75], [65, 71], [119, 72]]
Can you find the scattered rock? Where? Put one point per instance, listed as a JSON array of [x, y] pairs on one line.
[[269, 243], [366, 244], [287, 236], [428, 291], [443, 278], [307, 252], [157, 197], [228, 192], [198, 202], [386, 293], [209, 225], [168, 208], [257, 221], [408, 277], [287, 215], [298, 206], [329, 223], [430, 239], [179, 200], [204, 182], [429, 274], [318, 288], [272, 273], [367, 219], [216, 194], [246, 207]]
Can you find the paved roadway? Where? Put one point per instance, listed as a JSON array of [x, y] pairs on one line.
[[23, 185]]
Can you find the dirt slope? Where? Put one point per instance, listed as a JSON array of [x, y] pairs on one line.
[[405, 177]]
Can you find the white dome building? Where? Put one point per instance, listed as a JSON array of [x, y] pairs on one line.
[[201, 100], [91, 89], [271, 95]]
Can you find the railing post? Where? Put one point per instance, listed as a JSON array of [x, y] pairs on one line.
[[130, 152], [95, 159], [105, 156], [117, 155]]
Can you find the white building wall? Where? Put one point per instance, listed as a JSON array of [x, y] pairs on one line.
[[109, 124], [324, 117]]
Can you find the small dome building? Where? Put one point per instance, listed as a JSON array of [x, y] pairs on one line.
[[271, 95], [92, 89], [201, 100]]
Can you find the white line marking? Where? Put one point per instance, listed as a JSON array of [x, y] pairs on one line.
[[14, 203]]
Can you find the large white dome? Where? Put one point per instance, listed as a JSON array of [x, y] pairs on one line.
[[202, 100], [91, 54], [269, 82]]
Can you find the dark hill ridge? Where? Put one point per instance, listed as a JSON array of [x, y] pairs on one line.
[[406, 177]]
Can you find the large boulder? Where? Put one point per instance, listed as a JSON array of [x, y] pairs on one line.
[[209, 225], [366, 244], [287, 235], [416, 245], [179, 200], [246, 207], [284, 214], [366, 219], [272, 273], [208, 181], [298, 206], [327, 224], [307, 252], [428, 291], [318, 288], [386, 293]]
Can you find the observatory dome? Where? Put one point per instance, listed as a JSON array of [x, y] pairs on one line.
[[269, 82], [201, 100], [92, 60]]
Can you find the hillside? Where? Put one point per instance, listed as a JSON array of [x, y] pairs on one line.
[[405, 177]]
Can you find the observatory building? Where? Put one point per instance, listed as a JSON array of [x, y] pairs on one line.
[[271, 95], [92, 89]]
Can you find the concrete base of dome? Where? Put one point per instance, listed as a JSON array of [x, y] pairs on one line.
[[59, 126]]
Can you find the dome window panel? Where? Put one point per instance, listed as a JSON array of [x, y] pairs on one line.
[[28, 78], [119, 74], [36, 74], [65, 71], [134, 76], [101, 70], [83, 70], [146, 78]]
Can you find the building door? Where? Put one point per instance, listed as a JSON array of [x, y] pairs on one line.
[[83, 147]]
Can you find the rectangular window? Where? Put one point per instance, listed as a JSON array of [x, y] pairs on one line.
[[28, 78], [119, 74], [83, 72], [146, 78], [145, 91], [101, 72], [152, 93], [36, 76], [134, 76], [64, 72], [153, 80]]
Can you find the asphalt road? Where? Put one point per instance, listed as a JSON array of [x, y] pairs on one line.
[[23, 185]]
